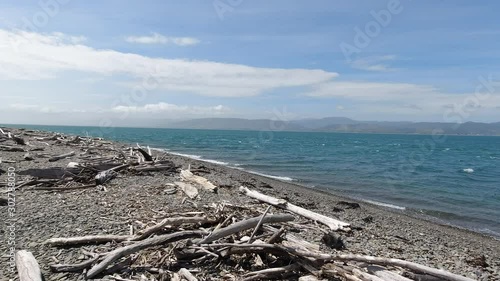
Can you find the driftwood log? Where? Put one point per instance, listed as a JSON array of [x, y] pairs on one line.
[[147, 156], [186, 175], [244, 225], [333, 224], [11, 148], [62, 156], [92, 239], [190, 190], [27, 267]]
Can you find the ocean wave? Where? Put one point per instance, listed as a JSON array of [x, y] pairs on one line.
[[488, 232], [159, 149], [384, 204], [214, 161], [271, 176], [196, 157], [200, 158], [468, 170]]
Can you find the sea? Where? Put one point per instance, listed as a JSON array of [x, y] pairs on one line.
[[453, 180]]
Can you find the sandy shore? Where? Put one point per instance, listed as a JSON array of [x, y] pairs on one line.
[[377, 231]]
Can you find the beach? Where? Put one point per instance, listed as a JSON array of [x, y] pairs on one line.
[[376, 231]]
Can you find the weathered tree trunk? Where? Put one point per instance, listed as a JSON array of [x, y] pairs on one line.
[[330, 222]]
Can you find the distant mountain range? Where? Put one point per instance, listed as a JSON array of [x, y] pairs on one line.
[[339, 124]]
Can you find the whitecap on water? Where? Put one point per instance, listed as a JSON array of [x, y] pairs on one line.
[[468, 170]]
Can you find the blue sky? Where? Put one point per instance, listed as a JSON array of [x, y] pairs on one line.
[[94, 62]]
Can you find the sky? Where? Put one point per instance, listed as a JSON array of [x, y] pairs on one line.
[[71, 62]]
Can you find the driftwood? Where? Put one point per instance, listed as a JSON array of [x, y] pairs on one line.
[[27, 267], [169, 221], [105, 176], [188, 189], [155, 168], [73, 267], [187, 275], [259, 224], [144, 154], [420, 277], [52, 138], [445, 275], [244, 225], [190, 177], [11, 148], [18, 140], [62, 156], [130, 249], [266, 274], [365, 276], [11, 136], [388, 275], [92, 239], [330, 222], [62, 188]]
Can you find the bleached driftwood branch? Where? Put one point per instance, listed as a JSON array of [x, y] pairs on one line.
[[190, 177], [169, 221], [244, 225], [27, 267], [91, 239], [281, 203], [187, 275], [188, 189]]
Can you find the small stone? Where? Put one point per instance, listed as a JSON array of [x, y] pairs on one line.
[[368, 219], [333, 241]]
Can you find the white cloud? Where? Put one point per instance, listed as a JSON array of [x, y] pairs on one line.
[[406, 99], [157, 38], [32, 56], [43, 109], [168, 108], [376, 63], [372, 91]]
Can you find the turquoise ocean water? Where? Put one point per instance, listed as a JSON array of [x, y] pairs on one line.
[[452, 179]]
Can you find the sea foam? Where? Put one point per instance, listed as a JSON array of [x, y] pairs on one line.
[[271, 176], [468, 170], [384, 204]]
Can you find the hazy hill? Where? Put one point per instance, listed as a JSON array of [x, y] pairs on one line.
[[340, 124]]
